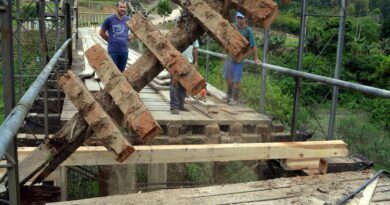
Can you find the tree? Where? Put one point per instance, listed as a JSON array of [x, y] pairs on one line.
[[164, 8]]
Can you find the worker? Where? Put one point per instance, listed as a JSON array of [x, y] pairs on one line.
[[116, 32], [177, 92], [233, 70]]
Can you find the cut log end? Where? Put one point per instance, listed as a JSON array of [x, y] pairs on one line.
[[125, 154]]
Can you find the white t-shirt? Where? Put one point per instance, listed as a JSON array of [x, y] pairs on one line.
[[188, 52]]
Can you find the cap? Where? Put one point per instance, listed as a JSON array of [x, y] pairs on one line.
[[240, 15]]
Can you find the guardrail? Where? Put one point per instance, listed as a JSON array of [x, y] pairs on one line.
[[318, 78], [14, 120]]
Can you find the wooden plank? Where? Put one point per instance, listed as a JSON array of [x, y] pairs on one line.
[[137, 116], [177, 65], [92, 85], [215, 92], [208, 152], [95, 116], [299, 164], [218, 28], [368, 192], [157, 176]]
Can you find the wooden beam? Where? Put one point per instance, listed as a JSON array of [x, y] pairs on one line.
[[137, 116], [207, 152], [176, 64], [95, 116], [261, 12], [218, 28], [299, 164]]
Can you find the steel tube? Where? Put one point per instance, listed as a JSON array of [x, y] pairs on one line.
[[298, 80], [318, 78], [7, 51], [344, 200], [14, 120], [339, 59], [207, 60], [263, 86]]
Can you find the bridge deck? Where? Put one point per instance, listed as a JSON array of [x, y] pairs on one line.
[[156, 97]]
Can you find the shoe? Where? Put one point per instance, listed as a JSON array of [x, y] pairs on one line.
[[175, 111], [233, 102], [226, 98], [184, 109]]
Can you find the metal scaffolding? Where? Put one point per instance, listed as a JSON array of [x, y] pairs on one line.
[[38, 28]]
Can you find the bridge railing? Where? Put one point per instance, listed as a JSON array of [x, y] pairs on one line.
[[91, 19], [14, 120]]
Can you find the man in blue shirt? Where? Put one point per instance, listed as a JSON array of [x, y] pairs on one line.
[[115, 31], [233, 70]]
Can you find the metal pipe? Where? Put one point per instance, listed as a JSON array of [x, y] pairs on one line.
[[19, 47], [14, 120], [207, 60], [68, 31], [7, 51], [318, 78], [344, 200], [298, 80], [263, 86], [339, 59], [42, 28]]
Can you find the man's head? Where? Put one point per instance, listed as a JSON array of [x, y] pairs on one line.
[[121, 8], [241, 21]]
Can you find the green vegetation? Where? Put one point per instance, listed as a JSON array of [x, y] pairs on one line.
[[164, 8], [366, 61]]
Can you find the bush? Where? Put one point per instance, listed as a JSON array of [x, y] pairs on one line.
[[287, 23], [365, 138]]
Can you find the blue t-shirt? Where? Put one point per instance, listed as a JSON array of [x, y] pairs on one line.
[[247, 32], [118, 33]]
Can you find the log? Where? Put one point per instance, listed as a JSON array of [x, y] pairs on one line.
[[138, 75], [137, 116], [218, 28], [260, 12], [93, 113], [176, 64]]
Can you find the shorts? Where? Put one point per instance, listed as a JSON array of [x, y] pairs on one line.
[[232, 71]]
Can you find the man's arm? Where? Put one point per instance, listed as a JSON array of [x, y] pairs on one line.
[[195, 55], [254, 49], [103, 34]]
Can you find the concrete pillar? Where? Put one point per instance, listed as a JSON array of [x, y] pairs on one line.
[[157, 176]]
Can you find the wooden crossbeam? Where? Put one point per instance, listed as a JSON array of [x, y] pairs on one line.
[[208, 152], [177, 65], [93, 113], [136, 114], [138, 75], [218, 28], [260, 12]]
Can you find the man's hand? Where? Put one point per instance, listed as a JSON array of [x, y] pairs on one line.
[[257, 61]]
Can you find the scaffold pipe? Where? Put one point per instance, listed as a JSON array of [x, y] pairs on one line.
[[318, 78], [14, 120]]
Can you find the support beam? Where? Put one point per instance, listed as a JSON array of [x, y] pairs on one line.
[[57, 149], [93, 113], [136, 115], [157, 176], [261, 12], [207, 152], [218, 28], [177, 65]]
